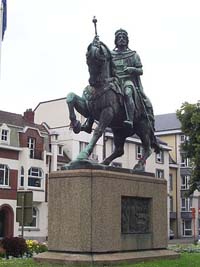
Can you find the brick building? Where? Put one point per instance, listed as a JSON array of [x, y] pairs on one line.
[[25, 161]]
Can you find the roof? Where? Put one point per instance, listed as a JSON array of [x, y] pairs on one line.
[[137, 137], [167, 122], [47, 101], [18, 120]]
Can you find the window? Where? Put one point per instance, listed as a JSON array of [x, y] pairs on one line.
[[170, 182], [185, 182], [184, 138], [186, 204], [82, 145], [171, 204], [139, 152], [160, 157], [160, 174], [22, 177], [31, 146], [187, 227], [5, 134], [34, 221], [35, 216], [4, 175], [184, 161], [60, 150], [35, 177]]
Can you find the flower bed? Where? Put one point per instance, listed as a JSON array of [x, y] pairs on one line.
[[35, 247], [19, 247]]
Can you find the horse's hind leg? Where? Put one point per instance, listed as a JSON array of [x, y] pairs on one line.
[[146, 145], [119, 141], [77, 102]]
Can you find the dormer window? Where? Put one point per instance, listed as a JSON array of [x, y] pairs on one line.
[[5, 134]]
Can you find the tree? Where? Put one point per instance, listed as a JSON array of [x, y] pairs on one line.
[[189, 116]]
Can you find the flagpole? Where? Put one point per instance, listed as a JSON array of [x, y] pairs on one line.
[[1, 29]]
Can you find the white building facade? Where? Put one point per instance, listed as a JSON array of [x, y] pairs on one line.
[[55, 114]]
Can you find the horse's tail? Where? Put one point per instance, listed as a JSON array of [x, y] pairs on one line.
[[148, 113]]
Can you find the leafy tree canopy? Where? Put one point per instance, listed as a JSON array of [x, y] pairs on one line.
[[189, 116]]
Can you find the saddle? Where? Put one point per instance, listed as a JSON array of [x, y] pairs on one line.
[[91, 93]]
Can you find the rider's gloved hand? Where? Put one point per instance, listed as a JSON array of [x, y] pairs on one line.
[[129, 70], [96, 41], [133, 70]]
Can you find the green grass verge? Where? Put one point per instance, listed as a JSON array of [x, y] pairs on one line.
[[24, 263], [186, 260]]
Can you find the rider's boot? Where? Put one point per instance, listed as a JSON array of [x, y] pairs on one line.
[[129, 106], [128, 123], [87, 125]]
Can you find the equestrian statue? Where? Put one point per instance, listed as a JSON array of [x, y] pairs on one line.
[[115, 99]]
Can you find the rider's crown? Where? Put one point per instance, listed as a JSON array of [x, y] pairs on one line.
[[121, 31]]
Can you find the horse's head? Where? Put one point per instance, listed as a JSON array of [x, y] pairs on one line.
[[99, 63]]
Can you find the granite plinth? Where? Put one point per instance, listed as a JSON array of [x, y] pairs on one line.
[[85, 211]]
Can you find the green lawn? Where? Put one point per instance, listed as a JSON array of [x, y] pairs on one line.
[[186, 260]]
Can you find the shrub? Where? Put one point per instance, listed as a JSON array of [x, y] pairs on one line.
[[33, 246], [14, 246], [191, 248], [2, 251]]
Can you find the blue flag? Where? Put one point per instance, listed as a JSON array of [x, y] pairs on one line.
[[4, 17]]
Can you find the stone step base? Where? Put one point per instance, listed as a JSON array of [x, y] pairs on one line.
[[105, 258]]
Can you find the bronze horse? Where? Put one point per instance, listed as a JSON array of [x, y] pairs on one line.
[[102, 101]]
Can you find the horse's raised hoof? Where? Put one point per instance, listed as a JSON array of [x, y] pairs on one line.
[[139, 167], [76, 126], [86, 128]]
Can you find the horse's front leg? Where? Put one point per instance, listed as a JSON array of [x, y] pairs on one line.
[[104, 121], [76, 102]]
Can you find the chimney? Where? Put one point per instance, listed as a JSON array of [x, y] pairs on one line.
[[29, 115]]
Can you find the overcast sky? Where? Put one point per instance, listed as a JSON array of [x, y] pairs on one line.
[[43, 52]]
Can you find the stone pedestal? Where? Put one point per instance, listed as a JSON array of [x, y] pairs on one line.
[[96, 211]]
